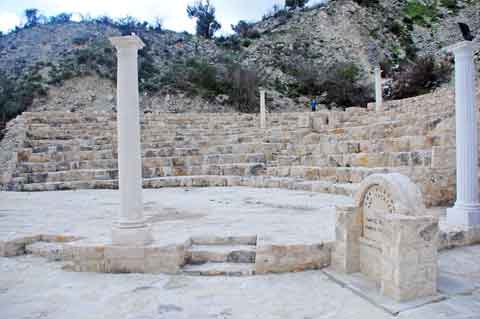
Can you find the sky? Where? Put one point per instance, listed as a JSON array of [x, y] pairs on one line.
[[172, 13]]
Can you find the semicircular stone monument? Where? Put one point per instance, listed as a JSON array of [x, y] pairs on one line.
[[387, 236]]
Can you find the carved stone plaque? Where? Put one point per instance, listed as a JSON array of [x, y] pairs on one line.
[[376, 204]]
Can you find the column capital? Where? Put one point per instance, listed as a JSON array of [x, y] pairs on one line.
[[462, 47], [127, 42]]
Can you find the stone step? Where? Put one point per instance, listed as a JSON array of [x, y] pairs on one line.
[[419, 157], [220, 269], [347, 189], [150, 170], [51, 150], [237, 169], [200, 254], [224, 241], [332, 174], [149, 162], [202, 181], [53, 251], [71, 175]]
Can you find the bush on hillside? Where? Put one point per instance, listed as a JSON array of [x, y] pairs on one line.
[[367, 3], [277, 12], [231, 42], [420, 77], [199, 77], [294, 4], [340, 85], [32, 17], [60, 18], [242, 88], [423, 13], [245, 30], [16, 95]]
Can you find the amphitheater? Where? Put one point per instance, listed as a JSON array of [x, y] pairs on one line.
[[225, 197], [326, 151]]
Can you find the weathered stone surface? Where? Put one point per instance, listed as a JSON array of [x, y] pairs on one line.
[[288, 258]]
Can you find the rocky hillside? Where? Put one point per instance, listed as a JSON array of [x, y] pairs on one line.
[[293, 54]]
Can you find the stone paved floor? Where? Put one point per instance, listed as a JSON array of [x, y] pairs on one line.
[[276, 215], [31, 287]]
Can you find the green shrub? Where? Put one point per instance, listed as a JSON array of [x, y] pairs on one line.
[[80, 40], [246, 43], [340, 84], [60, 18], [420, 77], [450, 4], [241, 85], [293, 4], [367, 3], [245, 30], [230, 43], [423, 14], [17, 94]]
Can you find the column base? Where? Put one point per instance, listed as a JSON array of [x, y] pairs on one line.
[[131, 234], [464, 214]]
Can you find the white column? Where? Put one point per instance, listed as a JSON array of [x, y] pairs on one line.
[[467, 208], [131, 228], [263, 111], [378, 89]]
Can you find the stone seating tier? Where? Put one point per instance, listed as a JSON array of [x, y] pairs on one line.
[[328, 151]]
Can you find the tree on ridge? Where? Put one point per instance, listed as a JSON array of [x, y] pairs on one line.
[[207, 24]]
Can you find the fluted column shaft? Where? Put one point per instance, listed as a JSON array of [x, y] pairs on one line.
[[467, 208]]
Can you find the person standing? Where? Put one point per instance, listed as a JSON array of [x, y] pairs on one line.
[[313, 104]]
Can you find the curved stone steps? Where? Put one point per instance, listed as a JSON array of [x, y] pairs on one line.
[[202, 181], [200, 254], [220, 269], [221, 256]]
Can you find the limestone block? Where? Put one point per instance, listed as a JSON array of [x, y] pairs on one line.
[[346, 253], [443, 157], [164, 259], [409, 257], [23, 155], [16, 247], [291, 258], [121, 265]]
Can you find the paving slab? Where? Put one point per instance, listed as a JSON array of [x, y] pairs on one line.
[[176, 214], [31, 287]]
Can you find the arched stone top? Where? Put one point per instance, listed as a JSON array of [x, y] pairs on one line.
[[402, 195]]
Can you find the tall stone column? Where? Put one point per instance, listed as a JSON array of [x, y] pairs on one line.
[[378, 89], [467, 207], [131, 228], [263, 110]]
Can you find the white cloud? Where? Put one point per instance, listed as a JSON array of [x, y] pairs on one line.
[[8, 21]]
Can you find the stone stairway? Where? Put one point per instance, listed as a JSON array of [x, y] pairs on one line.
[[221, 256]]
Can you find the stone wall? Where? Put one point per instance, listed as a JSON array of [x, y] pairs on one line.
[[12, 141]]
